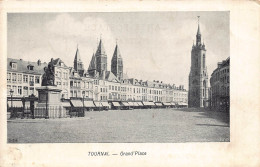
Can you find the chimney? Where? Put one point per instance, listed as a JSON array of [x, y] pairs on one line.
[[219, 65], [39, 62]]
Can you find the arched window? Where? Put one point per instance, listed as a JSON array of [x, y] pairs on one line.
[[196, 62], [203, 60]]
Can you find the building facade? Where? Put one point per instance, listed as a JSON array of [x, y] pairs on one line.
[[96, 83], [220, 87], [23, 77], [198, 77]]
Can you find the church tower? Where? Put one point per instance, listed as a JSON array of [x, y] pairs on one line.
[[101, 58], [198, 77], [117, 64], [78, 64]]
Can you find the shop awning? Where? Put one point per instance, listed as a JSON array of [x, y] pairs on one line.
[[65, 104], [97, 104], [15, 104], [136, 104], [182, 104], [125, 104], [88, 104], [116, 104], [131, 103], [140, 103], [167, 104], [105, 104], [76, 103], [158, 104], [146, 103], [173, 103]]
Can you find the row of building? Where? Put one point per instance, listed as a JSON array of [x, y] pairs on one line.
[[220, 87], [95, 83]]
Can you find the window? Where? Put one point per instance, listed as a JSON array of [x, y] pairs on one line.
[[25, 78], [8, 89], [25, 91], [31, 78], [204, 60], [196, 62], [112, 87], [109, 87], [19, 90], [31, 91], [15, 89], [14, 66], [30, 67], [115, 87], [14, 78], [37, 79], [8, 77], [19, 78]]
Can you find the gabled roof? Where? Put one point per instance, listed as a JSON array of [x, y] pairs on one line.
[[110, 76], [101, 49], [93, 63], [58, 61], [22, 66]]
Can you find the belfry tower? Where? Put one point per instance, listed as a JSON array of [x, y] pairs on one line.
[[117, 64], [198, 77]]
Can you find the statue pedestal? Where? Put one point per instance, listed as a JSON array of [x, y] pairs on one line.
[[49, 103]]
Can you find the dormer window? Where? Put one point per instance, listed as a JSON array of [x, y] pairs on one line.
[[14, 65], [30, 67]]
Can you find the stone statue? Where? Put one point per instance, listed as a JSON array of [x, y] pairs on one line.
[[48, 76]]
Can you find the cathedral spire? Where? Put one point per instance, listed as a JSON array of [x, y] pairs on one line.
[[117, 63], [77, 56], [101, 49]]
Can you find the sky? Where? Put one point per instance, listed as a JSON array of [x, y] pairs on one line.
[[153, 45]]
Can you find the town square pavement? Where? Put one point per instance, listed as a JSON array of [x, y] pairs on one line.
[[121, 126]]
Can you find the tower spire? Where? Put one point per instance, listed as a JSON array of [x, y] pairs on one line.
[[198, 36], [198, 32]]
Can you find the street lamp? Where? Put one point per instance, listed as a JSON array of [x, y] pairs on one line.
[[83, 94], [11, 93]]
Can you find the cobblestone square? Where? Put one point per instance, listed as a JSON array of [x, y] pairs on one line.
[[121, 126]]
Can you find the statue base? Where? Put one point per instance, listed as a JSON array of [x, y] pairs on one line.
[[49, 105]]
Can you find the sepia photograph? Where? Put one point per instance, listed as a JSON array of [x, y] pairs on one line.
[[118, 77]]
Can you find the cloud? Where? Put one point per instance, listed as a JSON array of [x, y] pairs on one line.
[[66, 32]]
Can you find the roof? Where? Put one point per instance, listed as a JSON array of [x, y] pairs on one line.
[[101, 49], [22, 66], [58, 61], [93, 63], [77, 56], [198, 32], [117, 54], [110, 76]]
